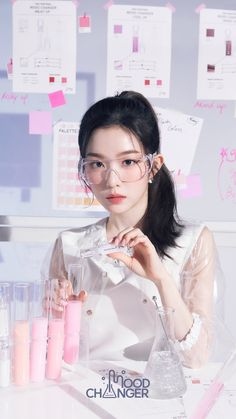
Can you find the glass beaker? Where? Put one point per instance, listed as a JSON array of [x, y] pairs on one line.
[[164, 368]]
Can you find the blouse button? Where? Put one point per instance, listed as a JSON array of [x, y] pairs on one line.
[[89, 312], [144, 300]]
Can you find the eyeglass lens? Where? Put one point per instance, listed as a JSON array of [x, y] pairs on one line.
[[128, 170]]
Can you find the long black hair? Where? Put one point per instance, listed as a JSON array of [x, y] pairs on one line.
[[133, 112]]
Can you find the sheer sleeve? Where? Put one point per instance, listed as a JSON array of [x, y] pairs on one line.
[[197, 279], [53, 265]]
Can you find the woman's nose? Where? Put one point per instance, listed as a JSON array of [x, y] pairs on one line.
[[112, 177]]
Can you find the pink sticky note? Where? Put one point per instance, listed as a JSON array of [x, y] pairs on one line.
[[200, 7], [108, 4], [57, 98], [171, 7], [40, 122], [194, 187], [84, 21]]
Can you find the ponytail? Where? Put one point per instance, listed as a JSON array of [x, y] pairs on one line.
[[161, 222]]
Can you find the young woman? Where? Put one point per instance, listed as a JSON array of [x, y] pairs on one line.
[[122, 166]]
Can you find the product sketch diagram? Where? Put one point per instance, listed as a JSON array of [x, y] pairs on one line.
[[217, 55], [139, 50], [44, 46]]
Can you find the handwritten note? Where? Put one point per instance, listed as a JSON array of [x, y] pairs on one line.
[[218, 106], [179, 137], [11, 97], [227, 174]]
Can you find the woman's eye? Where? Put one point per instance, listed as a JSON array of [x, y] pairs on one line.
[[96, 164], [129, 162]]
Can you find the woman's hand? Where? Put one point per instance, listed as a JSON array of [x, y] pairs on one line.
[[145, 260], [58, 294]]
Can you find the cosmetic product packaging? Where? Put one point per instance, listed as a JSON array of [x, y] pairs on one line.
[[228, 42], [55, 330], [39, 327], [21, 333], [5, 310]]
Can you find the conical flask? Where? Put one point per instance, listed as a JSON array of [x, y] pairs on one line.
[[164, 368]]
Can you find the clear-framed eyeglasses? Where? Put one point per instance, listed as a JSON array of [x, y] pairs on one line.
[[94, 171]]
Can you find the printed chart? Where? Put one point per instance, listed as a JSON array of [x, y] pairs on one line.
[[68, 193], [139, 50], [44, 46], [217, 55]]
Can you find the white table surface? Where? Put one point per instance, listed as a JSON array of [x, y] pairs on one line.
[[66, 399]]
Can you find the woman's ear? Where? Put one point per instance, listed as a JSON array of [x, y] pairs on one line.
[[157, 163]]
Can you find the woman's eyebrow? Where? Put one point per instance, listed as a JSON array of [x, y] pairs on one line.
[[122, 153]]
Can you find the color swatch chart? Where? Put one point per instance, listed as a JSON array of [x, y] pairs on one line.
[[68, 192]]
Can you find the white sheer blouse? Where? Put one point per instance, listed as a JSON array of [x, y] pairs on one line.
[[120, 311]]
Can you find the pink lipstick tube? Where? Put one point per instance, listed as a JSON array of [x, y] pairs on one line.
[[38, 348], [72, 330], [55, 348]]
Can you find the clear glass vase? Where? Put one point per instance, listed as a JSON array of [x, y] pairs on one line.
[[164, 368]]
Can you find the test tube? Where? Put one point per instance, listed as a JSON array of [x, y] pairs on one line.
[[216, 387], [73, 314], [72, 329], [55, 329], [38, 346], [104, 249], [21, 333], [5, 305]]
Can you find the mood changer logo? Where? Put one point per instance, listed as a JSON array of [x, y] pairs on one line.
[[137, 388]]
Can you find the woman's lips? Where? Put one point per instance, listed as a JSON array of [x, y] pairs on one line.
[[116, 199]]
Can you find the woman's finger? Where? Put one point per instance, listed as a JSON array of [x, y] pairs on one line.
[[126, 235]]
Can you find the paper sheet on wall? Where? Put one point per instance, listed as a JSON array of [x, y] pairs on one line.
[[139, 50], [68, 193], [217, 55], [179, 137], [44, 46]]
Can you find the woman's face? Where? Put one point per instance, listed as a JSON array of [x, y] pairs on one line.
[[105, 147]]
